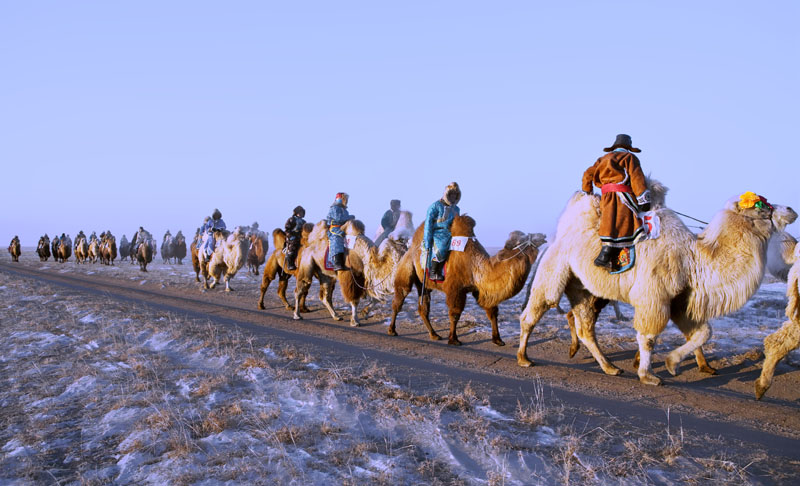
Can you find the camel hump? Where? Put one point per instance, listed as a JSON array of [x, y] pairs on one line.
[[463, 226], [354, 227]]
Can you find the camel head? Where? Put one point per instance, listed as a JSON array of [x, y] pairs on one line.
[[521, 242], [763, 215], [463, 226]]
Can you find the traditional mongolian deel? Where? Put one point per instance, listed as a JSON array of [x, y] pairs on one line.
[[437, 229], [624, 190]]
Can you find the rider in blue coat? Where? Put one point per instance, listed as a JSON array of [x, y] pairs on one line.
[[209, 227], [436, 240], [337, 217]]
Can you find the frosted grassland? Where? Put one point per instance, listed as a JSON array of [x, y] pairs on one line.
[[95, 391]]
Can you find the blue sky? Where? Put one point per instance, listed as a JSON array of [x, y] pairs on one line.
[[120, 114]]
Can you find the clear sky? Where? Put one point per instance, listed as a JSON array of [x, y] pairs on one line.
[[120, 114]]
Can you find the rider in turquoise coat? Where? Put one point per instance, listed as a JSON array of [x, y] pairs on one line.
[[436, 240], [337, 217]]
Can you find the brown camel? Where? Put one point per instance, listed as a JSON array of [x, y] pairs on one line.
[[490, 280], [311, 264], [108, 249], [81, 250], [64, 249], [144, 255], [94, 250], [14, 249], [276, 266], [195, 257], [43, 248], [179, 248], [259, 246], [680, 276]]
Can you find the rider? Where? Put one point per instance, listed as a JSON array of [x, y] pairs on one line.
[[624, 194], [389, 220], [209, 227], [436, 240], [294, 231], [338, 216]]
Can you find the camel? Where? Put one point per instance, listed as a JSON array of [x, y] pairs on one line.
[[124, 248], [54, 247], [43, 248], [490, 280], [144, 254], [405, 225], [81, 250], [276, 266], [179, 248], [778, 344], [94, 250], [680, 276], [166, 248], [195, 257], [228, 257], [108, 249], [64, 249], [14, 249], [257, 254], [311, 264]]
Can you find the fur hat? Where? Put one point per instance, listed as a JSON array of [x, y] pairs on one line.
[[299, 211], [216, 214], [394, 203], [452, 194], [341, 198], [622, 141]]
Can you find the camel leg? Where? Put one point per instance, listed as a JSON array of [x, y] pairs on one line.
[[353, 314], [694, 341], [776, 346], [537, 306], [300, 291], [618, 312], [688, 327], [424, 311], [327, 300], [456, 305], [491, 313], [646, 344], [575, 344], [227, 280], [265, 281], [585, 309], [400, 294]]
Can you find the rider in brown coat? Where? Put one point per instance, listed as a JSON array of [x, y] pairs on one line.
[[624, 194]]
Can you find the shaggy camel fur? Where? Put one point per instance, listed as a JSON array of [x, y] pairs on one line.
[[276, 266], [780, 255], [94, 250], [311, 264], [43, 248], [373, 268], [15, 250], [257, 254], [81, 250], [778, 344], [229, 256], [144, 255], [490, 280], [108, 249], [64, 249], [195, 257], [686, 277]]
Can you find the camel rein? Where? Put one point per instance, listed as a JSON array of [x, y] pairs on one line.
[[690, 217]]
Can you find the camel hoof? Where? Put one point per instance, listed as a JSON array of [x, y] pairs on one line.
[[354, 324], [261, 306], [305, 309], [391, 332], [454, 342], [707, 369], [297, 317], [524, 362], [760, 389], [337, 318], [650, 379], [435, 337], [498, 341], [574, 349], [612, 370], [671, 363], [229, 290]]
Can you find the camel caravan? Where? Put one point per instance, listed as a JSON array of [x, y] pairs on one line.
[[621, 245]]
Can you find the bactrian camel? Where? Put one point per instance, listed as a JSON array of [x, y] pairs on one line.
[[15, 250], [43, 248], [311, 264], [680, 276], [490, 280], [227, 259], [275, 266], [778, 344]]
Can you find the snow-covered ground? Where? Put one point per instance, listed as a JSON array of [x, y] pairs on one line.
[[95, 392]]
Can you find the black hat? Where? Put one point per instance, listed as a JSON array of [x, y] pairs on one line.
[[300, 211], [622, 141]]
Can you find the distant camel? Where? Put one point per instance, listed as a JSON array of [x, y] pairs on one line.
[[195, 257], [256, 255], [14, 249], [43, 248], [179, 248], [81, 250], [108, 249], [94, 249], [64, 249], [144, 255]]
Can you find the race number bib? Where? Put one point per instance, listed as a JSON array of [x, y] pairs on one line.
[[458, 243], [651, 224], [351, 241]]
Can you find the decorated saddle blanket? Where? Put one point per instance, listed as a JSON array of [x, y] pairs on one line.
[[626, 258]]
